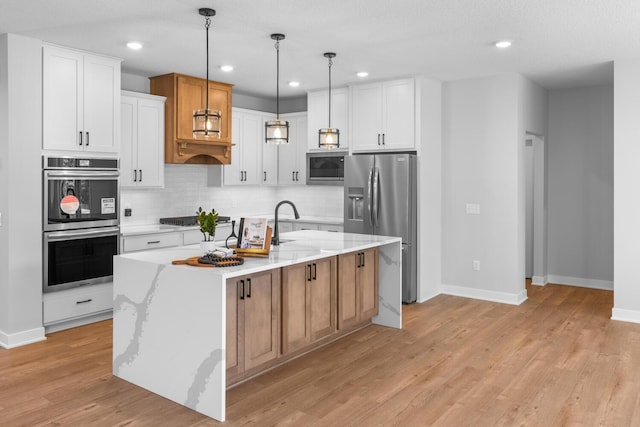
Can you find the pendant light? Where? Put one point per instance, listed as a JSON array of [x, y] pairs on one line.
[[277, 131], [329, 138], [206, 123]]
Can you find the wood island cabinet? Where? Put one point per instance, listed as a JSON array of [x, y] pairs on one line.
[[253, 321], [184, 95], [308, 303], [357, 287]]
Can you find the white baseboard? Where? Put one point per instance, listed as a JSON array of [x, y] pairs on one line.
[[21, 338], [606, 285], [539, 280], [427, 297], [483, 294], [623, 315]]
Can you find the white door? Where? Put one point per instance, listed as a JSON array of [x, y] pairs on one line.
[[398, 114], [101, 104], [367, 117], [61, 99], [150, 152]]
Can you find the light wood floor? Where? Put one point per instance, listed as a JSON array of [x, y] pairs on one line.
[[556, 360]]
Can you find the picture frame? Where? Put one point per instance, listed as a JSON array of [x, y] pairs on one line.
[[254, 237]]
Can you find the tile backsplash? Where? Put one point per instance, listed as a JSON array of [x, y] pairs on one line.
[[186, 188]]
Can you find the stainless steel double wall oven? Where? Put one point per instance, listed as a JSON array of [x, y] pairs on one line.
[[80, 221]]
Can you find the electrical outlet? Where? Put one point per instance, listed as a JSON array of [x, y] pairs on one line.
[[127, 212], [473, 208], [476, 265]]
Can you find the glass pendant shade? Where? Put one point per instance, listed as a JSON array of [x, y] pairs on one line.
[[206, 123], [276, 132], [329, 138]]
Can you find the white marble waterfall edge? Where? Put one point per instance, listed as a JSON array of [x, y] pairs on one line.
[[169, 333]]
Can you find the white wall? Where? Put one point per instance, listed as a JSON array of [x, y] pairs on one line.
[[626, 178], [481, 154], [429, 149], [20, 169], [580, 174]]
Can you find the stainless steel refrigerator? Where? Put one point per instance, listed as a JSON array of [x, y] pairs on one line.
[[380, 198]]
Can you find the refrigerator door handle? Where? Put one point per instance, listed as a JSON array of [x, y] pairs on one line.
[[369, 195], [376, 201]]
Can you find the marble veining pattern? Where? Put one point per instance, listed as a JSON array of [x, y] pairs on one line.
[[141, 310]]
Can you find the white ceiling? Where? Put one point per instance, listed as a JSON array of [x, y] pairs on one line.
[[557, 43]]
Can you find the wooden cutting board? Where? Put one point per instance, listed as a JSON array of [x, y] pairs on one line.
[[190, 261]]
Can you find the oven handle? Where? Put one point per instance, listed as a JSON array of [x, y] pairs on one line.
[[56, 236], [81, 174]]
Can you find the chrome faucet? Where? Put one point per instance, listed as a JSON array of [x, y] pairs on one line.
[[275, 240]]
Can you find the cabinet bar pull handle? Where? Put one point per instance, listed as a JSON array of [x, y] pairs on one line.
[[135, 175], [84, 301], [297, 176], [315, 270], [293, 176], [378, 139], [140, 175], [363, 259], [308, 271], [80, 139], [383, 139], [87, 139], [153, 242], [265, 176], [249, 293], [242, 292]]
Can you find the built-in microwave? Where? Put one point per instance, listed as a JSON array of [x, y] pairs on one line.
[[325, 168]]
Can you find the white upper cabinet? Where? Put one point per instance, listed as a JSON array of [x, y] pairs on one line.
[[142, 140], [269, 157], [81, 101], [246, 152], [383, 116], [318, 115], [292, 157]]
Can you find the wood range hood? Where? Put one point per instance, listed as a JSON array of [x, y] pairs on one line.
[[184, 95]]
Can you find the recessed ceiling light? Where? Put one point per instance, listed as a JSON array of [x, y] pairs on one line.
[[226, 68], [294, 84], [134, 45], [503, 44], [362, 74]]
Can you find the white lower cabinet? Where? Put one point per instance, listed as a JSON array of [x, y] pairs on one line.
[[77, 306], [141, 242]]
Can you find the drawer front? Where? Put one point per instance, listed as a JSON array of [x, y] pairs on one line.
[[331, 227], [73, 303], [151, 241]]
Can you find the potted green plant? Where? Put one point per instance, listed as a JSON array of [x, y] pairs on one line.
[[207, 222]]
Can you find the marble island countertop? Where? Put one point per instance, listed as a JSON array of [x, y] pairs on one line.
[[295, 247]]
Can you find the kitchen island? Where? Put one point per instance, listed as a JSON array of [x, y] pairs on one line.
[[170, 321]]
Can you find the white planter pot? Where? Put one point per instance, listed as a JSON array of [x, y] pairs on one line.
[[207, 247]]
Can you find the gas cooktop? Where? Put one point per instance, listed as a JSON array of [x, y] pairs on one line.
[[187, 221]]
